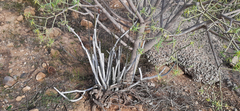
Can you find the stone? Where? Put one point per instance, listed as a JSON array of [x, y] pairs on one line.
[[10, 71], [9, 81], [86, 23], [40, 76], [75, 15], [19, 98], [29, 10], [25, 89], [196, 103], [234, 61], [53, 32], [116, 4], [54, 53], [23, 75], [34, 109], [20, 18], [50, 92], [44, 65], [10, 45]]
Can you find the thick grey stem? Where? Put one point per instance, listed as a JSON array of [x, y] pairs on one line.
[[137, 45]]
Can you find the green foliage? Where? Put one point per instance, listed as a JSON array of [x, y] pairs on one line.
[[135, 28], [50, 42], [140, 50], [159, 44], [9, 107]]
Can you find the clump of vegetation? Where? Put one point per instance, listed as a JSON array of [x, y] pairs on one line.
[[110, 78]]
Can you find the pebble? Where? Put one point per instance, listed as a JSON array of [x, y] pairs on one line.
[[34, 109], [20, 18], [10, 45], [6, 101], [9, 81], [196, 103], [23, 75], [10, 71], [27, 88], [44, 65], [40, 76], [54, 53], [234, 61], [86, 23], [19, 98]]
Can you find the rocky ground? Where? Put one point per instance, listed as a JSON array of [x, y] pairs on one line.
[[29, 71]]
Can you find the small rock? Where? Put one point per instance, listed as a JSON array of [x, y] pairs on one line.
[[29, 10], [54, 53], [10, 45], [50, 92], [34, 109], [20, 18], [53, 32], [23, 75], [40, 76], [234, 61], [196, 103], [19, 98], [27, 88], [10, 71], [44, 65], [8, 81], [116, 4], [16, 22], [86, 23], [75, 15]]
